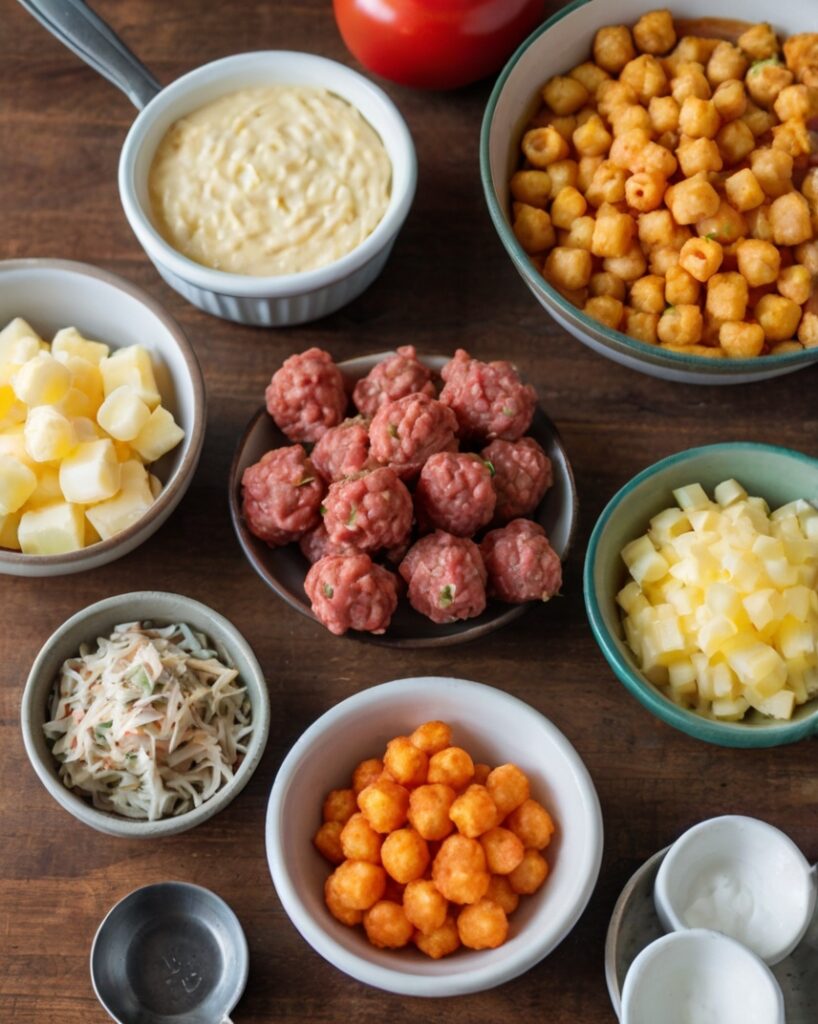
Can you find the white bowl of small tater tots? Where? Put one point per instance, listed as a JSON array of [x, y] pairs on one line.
[[260, 153], [494, 728], [651, 174]]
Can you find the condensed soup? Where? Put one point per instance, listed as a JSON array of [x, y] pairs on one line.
[[270, 180]]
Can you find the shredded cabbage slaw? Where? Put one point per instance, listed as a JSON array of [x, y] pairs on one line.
[[151, 723]]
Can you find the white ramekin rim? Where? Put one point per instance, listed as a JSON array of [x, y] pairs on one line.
[[284, 285]]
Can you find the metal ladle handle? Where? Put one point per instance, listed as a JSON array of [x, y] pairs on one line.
[[78, 28]]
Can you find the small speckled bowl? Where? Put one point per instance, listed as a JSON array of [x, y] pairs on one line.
[[98, 620], [777, 474]]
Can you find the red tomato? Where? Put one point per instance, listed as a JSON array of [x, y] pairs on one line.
[[435, 44]]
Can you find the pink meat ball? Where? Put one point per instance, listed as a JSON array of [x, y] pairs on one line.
[[281, 495], [351, 592], [489, 399], [395, 377], [455, 493], [370, 511], [522, 475], [446, 577], [316, 545], [343, 450], [521, 564], [404, 433], [306, 396]]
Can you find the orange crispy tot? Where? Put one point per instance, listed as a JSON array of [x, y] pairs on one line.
[[346, 915], [425, 906], [384, 804], [405, 855], [405, 762], [358, 885], [432, 737], [429, 810], [366, 773], [500, 891], [359, 841], [328, 841], [339, 805], [532, 824], [459, 870], [439, 943], [474, 812], [387, 926], [451, 766], [503, 849], [483, 925], [530, 873], [508, 786]]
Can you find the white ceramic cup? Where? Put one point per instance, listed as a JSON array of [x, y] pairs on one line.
[[742, 877]]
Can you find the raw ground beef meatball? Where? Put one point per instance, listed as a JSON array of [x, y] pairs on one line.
[[395, 377], [306, 396], [446, 577], [404, 433], [522, 475], [351, 592], [489, 399], [455, 493], [281, 495], [316, 545], [370, 511], [521, 564], [343, 450]]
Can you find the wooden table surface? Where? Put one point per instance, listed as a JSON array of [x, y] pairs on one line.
[[448, 283]]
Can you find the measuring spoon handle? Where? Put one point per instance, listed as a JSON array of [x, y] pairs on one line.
[[84, 32]]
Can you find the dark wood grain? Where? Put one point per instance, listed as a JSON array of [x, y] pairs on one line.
[[448, 282]]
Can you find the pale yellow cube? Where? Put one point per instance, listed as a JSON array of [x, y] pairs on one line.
[[77, 403], [70, 342], [91, 473], [49, 435], [17, 484], [53, 530], [47, 490], [131, 366], [85, 377], [644, 562], [87, 429], [730, 710], [127, 507], [13, 444], [19, 342], [667, 525], [123, 414], [759, 666], [728, 492], [41, 381], [155, 485], [795, 638], [778, 705], [691, 497], [764, 608], [159, 435], [8, 531]]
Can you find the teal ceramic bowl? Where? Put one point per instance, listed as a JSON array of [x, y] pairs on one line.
[[777, 474]]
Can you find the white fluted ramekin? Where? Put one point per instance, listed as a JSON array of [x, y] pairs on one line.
[[287, 298]]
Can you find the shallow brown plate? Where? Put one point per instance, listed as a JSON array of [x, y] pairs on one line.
[[284, 568]]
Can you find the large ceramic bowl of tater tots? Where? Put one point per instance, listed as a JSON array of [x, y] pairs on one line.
[[652, 175], [363, 792]]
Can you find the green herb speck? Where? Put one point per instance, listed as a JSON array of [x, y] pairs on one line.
[[327, 589], [447, 595], [353, 512], [489, 466], [305, 480], [393, 430], [323, 510]]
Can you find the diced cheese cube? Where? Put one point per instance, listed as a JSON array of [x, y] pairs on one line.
[[758, 666], [49, 435], [123, 414], [692, 496], [8, 531], [127, 507], [663, 640], [633, 635], [644, 562], [732, 710], [701, 666], [85, 377], [685, 600], [72, 343], [77, 404], [47, 490], [19, 342], [53, 530], [17, 483], [161, 434], [728, 492], [131, 366], [760, 504], [798, 550], [41, 381], [669, 523], [778, 705], [91, 473]]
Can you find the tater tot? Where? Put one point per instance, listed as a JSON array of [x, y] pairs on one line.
[[429, 810], [543, 146], [592, 138], [790, 219], [759, 121], [533, 228], [691, 200], [384, 804], [567, 206], [730, 100], [611, 95], [807, 255], [765, 82], [605, 309], [339, 805], [439, 943], [654, 32], [697, 156], [725, 226], [646, 76], [425, 906], [432, 737], [586, 169], [743, 190], [590, 75], [405, 855], [569, 268], [509, 787], [531, 823], [641, 326], [563, 173], [503, 849], [655, 228], [612, 236], [795, 283], [358, 884], [758, 262], [689, 81], [531, 187], [701, 258], [451, 766], [773, 170], [405, 762], [796, 101], [727, 296], [359, 841], [580, 234], [644, 191], [459, 870], [626, 149], [564, 95], [663, 259], [483, 925], [759, 41], [481, 773], [607, 184], [387, 926], [664, 114], [366, 773], [778, 317], [681, 288], [630, 266], [698, 118], [625, 119], [741, 340], [680, 325], [735, 142], [474, 812], [808, 330], [647, 294], [339, 910], [500, 892], [601, 283], [726, 62], [328, 841], [613, 48], [530, 873]]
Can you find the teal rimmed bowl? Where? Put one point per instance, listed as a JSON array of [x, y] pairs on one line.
[[556, 46], [777, 474]]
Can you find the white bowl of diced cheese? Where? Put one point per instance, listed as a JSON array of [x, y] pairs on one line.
[[102, 414]]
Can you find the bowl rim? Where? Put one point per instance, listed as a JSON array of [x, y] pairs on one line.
[[508, 615], [281, 285], [31, 719], [405, 982], [616, 340], [727, 734], [179, 481]]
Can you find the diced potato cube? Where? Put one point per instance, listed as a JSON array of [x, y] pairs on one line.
[[795, 638], [682, 676], [778, 705], [41, 381], [53, 530], [132, 366], [799, 551], [630, 596], [715, 633], [644, 562], [19, 342], [792, 508], [70, 342], [786, 528], [76, 403], [780, 573], [669, 523], [728, 492], [758, 666], [725, 682], [798, 601], [17, 483], [91, 473], [730, 710], [808, 518], [13, 444], [704, 520], [87, 429], [159, 435], [692, 496], [48, 434], [123, 414], [47, 490], [763, 607], [125, 508], [85, 377], [91, 535], [8, 531]]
